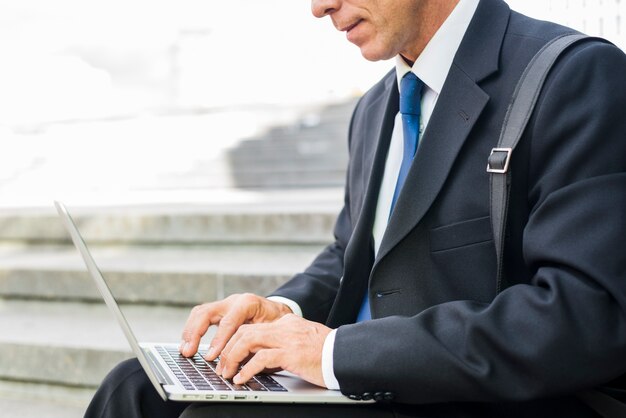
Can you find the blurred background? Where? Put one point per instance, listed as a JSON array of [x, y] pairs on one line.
[[137, 96], [200, 146]]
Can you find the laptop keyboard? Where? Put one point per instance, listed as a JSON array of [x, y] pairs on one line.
[[196, 373]]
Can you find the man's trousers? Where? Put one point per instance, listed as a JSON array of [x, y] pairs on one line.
[[126, 392]]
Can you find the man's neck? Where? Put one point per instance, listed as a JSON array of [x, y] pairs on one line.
[[408, 62], [432, 17]]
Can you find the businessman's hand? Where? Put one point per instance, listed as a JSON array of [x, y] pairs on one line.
[[291, 343], [229, 314]]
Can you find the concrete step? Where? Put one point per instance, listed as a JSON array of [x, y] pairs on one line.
[[290, 180], [292, 216], [315, 157], [311, 153], [291, 150], [166, 275], [260, 177], [332, 113], [32, 400], [160, 258], [298, 138], [75, 344]]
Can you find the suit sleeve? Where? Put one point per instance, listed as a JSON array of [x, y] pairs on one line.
[[565, 329]]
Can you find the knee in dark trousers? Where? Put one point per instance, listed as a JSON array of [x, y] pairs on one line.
[[126, 392], [268, 410]]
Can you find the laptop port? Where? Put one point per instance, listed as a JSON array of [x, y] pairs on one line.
[[239, 397], [208, 397], [223, 396]]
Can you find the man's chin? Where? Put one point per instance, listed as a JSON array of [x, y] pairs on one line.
[[375, 55], [373, 51]]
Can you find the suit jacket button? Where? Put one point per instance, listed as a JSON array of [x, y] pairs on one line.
[[354, 397], [389, 396], [366, 396], [379, 396]]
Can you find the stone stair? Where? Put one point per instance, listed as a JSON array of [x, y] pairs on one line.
[[311, 153], [58, 340]]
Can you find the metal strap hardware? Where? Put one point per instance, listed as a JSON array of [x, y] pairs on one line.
[[518, 114], [499, 160]]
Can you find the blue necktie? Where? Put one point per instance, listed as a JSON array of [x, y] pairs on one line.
[[410, 106]]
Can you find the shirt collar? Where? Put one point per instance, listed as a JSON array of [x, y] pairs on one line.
[[433, 64]]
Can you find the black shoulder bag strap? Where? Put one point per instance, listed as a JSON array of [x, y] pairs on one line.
[[498, 165], [517, 116]]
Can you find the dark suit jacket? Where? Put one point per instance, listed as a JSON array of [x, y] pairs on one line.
[[441, 334]]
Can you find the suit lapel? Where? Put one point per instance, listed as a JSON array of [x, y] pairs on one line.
[[377, 131], [376, 135], [459, 105]]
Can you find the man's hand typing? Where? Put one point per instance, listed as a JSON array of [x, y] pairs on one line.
[[261, 333], [228, 314], [291, 343]]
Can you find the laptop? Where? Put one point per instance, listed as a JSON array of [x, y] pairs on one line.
[[178, 378]]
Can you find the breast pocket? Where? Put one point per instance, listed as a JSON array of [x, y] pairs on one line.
[[463, 259], [461, 234]]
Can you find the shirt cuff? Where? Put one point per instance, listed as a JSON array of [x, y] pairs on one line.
[[328, 371], [295, 308]]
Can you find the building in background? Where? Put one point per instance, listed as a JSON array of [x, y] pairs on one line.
[[604, 18]]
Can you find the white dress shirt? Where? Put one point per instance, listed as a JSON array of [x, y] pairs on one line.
[[432, 67]]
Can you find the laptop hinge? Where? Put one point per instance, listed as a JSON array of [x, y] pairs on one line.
[[156, 368]]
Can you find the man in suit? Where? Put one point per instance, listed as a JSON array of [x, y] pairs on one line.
[[414, 249]]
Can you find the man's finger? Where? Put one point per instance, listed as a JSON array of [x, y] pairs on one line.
[[250, 339], [264, 359], [227, 327], [199, 321], [247, 340]]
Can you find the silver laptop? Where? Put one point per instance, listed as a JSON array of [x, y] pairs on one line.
[[179, 378]]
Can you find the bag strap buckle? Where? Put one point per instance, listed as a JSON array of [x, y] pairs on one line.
[[499, 160]]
